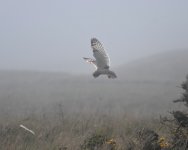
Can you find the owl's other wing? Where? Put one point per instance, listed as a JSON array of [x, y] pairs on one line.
[[91, 61]]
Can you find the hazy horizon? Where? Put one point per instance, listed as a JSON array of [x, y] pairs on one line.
[[54, 36]]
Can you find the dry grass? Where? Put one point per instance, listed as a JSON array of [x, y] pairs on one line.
[[72, 132]]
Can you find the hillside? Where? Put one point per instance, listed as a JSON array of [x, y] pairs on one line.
[[143, 88], [171, 66]]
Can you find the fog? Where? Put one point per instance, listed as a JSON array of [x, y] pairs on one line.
[[144, 88], [55, 35], [46, 86], [43, 42]]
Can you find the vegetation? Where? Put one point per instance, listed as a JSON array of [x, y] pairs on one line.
[[61, 129], [177, 125], [75, 132]]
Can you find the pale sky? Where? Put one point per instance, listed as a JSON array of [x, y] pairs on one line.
[[55, 34]]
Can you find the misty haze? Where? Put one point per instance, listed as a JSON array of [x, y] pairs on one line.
[[49, 98]]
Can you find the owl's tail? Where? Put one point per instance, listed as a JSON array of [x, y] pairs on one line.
[[109, 73]]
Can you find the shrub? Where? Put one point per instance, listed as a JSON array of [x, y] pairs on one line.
[[94, 142]]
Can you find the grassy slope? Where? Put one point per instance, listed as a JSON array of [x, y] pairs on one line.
[[65, 110]]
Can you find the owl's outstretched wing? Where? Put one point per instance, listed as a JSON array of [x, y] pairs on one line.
[[102, 58], [91, 61]]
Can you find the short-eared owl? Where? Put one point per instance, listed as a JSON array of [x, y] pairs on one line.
[[102, 62]]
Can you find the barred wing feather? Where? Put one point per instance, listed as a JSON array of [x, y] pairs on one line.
[[102, 58]]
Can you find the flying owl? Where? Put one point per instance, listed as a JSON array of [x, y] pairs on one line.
[[102, 62]]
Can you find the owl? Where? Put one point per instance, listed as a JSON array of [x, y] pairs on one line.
[[101, 61]]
